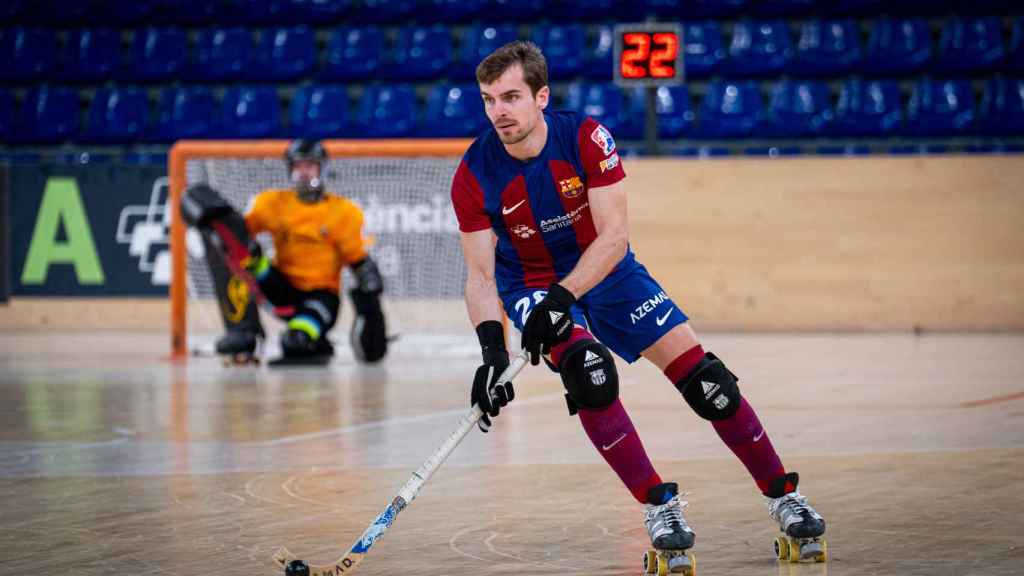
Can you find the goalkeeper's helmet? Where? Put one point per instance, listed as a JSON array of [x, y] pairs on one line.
[[309, 189]]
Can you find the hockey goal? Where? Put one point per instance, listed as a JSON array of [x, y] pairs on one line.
[[403, 187]]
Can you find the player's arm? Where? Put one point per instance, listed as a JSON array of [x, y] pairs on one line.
[[484, 309], [608, 207], [482, 301]]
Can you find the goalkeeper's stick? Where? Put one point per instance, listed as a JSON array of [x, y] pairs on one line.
[[385, 519]]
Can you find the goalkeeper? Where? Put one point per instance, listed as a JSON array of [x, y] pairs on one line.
[[315, 234]]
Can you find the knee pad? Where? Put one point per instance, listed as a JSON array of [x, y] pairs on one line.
[[589, 375], [711, 389]]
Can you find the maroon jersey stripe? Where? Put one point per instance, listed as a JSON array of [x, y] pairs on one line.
[[524, 232], [575, 201]]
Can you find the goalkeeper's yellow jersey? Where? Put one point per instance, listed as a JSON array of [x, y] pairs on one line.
[[312, 242]]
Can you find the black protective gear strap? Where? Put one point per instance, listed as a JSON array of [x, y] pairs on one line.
[[589, 376], [711, 389], [491, 335]]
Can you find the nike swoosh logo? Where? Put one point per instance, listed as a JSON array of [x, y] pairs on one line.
[[664, 318], [506, 211], [612, 445], [759, 436]]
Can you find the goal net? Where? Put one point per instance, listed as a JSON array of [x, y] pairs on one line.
[[403, 187]]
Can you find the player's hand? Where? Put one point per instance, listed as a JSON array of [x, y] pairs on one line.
[[487, 392], [549, 323]]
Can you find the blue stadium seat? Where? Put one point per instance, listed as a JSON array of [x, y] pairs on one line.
[[262, 13], [897, 47], [986, 7], [597, 55], [122, 14], [675, 114], [759, 48], [969, 46], [827, 48], [477, 43], [703, 48], [580, 10], [284, 54], [353, 54], [1015, 54], [185, 113], [6, 115], [12, 9], [730, 110], [221, 55], [319, 112], [28, 54], [420, 53], [320, 12], [784, 7], [603, 102], [90, 55], [117, 116], [193, 12], [1002, 107], [453, 111], [713, 9], [384, 11], [49, 115], [799, 109], [853, 7], [868, 108], [387, 111], [919, 7], [660, 9], [563, 48], [250, 112], [157, 55], [941, 108], [448, 11], [513, 9], [60, 13]]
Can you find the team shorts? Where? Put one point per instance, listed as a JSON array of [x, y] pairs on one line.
[[627, 315]]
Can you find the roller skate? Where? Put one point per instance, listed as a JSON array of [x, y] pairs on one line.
[[239, 348], [671, 537], [800, 524], [301, 350]]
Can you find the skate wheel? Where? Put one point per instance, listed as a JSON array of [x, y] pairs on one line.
[[650, 562], [823, 555], [662, 565], [794, 550], [781, 548]]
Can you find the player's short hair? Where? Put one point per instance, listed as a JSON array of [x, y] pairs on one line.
[[526, 54]]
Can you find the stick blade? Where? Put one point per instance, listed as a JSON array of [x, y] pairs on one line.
[[344, 566]]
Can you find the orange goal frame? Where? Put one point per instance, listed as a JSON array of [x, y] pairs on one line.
[[185, 150]]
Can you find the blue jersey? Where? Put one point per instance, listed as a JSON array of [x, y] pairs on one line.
[[539, 209]]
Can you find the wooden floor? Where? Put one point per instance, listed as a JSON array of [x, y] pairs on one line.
[[113, 461]]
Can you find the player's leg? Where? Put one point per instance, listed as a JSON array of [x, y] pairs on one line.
[[590, 379], [310, 315], [712, 391]]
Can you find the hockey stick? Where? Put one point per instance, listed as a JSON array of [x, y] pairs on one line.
[[385, 519]]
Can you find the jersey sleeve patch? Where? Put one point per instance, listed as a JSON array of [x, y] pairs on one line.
[[603, 138]]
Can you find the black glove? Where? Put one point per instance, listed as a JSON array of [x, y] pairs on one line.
[[549, 323], [485, 393]]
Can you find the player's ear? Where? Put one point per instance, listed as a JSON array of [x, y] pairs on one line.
[[543, 97]]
